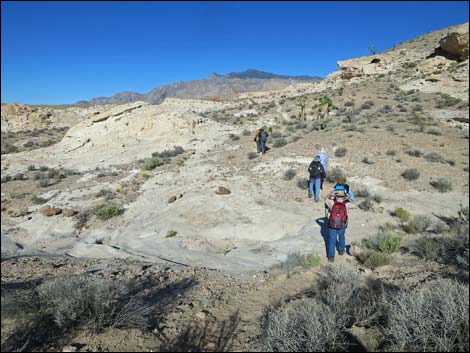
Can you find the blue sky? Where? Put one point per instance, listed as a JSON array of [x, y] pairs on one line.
[[63, 52]]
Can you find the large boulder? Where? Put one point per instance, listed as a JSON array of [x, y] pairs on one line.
[[456, 44]]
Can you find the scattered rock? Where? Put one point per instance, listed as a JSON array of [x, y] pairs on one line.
[[49, 211], [456, 44], [70, 212], [223, 191], [202, 314], [18, 212], [69, 349], [172, 199]]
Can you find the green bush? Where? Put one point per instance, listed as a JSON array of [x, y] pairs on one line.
[[385, 241], [340, 152], [410, 174], [279, 142], [302, 183], [151, 163], [435, 131], [431, 318], [289, 174], [171, 233], [310, 260], [428, 248], [441, 184], [373, 259], [366, 205], [252, 155], [414, 152], [402, 214], [38, 200], [419, 224], [435, 157], [334, 174], [105, 212], [362, 192]]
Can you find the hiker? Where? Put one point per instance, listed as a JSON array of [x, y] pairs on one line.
[[341, 189], [263, 136], [317, 175], [324, 159], [257, 140], [337, 223]]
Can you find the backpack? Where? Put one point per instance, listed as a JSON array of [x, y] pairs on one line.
[[315, 169], [338, 216], [263, 135], [256, 135]]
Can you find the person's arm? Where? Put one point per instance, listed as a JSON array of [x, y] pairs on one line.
[[350, 196]]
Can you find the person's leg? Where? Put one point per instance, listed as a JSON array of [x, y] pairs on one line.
[[317, 189], [258, 146], [263, 147], [332, 243], [341, 241], [310, 187]]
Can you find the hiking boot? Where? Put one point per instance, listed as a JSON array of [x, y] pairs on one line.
[[331, 259], [310, 196], [341, 252]]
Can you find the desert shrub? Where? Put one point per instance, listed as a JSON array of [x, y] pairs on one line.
[[279, 142], [432, 318], [427, 248], [422, 222], [366, 205], [86, 302], [340, 152], [289, 174], [43, 183], [234, 137], [276, 134], [441, 184], [301, 326], [435, 157], [38, 200], [351, 127], [31, 168], [366, 160], [385, 241], [367, 105], [377, 198], [171, 233], [105, 193], [107, 211], [352, 302], [334, 174], [151, 163], [6, 179], [414, 152], [246, 132], [410, 174], [417, 108], [373, 259], [302, 183], [310, 260], [166, 154], [83, 216], [385, 109], [402, 214], [362, 192], [19, 176], [391, 153], [435, 131], [252, 155]]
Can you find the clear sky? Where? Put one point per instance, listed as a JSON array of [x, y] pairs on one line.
[[63, 52]]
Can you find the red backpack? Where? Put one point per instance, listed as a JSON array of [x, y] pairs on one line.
[[338, 216]]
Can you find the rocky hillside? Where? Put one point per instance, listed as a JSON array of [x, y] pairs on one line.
[[215, 87], [173, 200]]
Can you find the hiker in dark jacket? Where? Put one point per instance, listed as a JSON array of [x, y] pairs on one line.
[[317, 174], [263, 136]]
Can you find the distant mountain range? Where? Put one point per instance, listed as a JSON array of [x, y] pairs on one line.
[[214, 87]]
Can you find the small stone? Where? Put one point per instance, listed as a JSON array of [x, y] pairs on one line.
[[172, 199], [223, 191], [69, 212], [202, 315], [18, 212], [69, 349], [49, 211]]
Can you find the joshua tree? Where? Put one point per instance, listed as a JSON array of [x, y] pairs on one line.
[[302, 104]]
